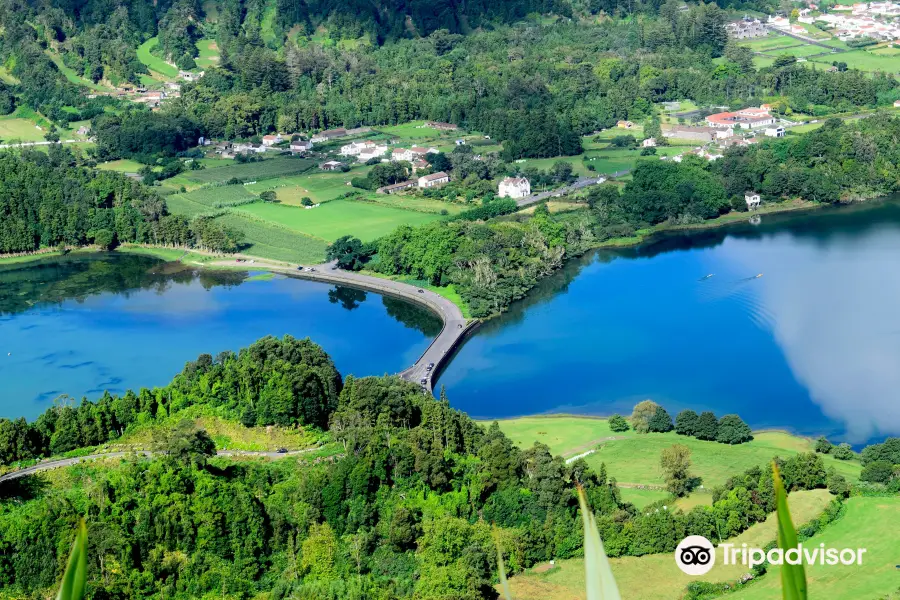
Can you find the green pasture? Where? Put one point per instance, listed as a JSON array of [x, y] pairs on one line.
[[208, 56], [268, 240], [634, 458], [771, 42], [23, 130], [320, 186], [863, 60], [124, 165], [71, 75], [416, 203], [643, 497], [219, 196], [181, 204], [415, 130], [656, 576], [267, 169], [870, 523], [153, 62], [334, 219]]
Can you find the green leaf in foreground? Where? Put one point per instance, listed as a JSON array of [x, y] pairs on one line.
[[793, 577], [599, 580], [75, 577], [501, 567]]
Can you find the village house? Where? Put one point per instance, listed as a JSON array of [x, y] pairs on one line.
[[419, 151], [624, 124], [354, 148], [433, 180], [328, 134], [271, 140], [441, 126], [370, 152], [300, 146], [419, 165], [774, 131], [396, 187], [697, 134], [648, 143], [746, 28], [83, 130], [746, 118], [188, 76], [514, 187], [401, 154], [752, 199], [331, 165], [249, 148]]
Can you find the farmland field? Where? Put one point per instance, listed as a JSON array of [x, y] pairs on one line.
[[415, 203], [180, 204], [219, 196], [318, 186], [634, 458], [209, 54], [656, 576], [336, 218], [772, 41], [277, 243], [415, 131], [862, 527], [71, 75], [267, 169], [123, 165], [12, 128], [863, 60], [153, 62]]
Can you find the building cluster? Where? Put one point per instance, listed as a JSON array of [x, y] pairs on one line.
[[746, 118], [424, 182], [864, 23], [746, 28]]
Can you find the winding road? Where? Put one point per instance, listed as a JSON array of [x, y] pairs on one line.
[[68, 462]]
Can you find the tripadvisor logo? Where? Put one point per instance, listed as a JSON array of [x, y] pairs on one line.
[[696, 555]]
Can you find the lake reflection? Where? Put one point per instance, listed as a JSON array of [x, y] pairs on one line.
[[813, 345], [84, 324]]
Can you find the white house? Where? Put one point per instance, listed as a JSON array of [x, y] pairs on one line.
[[300, 146], [648, 143], [370, 152], [271, 140], [402, 154], [774, 131], [514, 187], [752, 200], [354, 148], [433, 180], [248, 147], [419, 151]]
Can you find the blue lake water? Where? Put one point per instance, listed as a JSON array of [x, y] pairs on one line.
[[82, 325], [812, 346]]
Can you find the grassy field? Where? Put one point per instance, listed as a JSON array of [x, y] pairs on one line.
[[209, 54], [338, 217], [426, 205], [123, 165], [23, 130], [180, 204], [862, 527], [863, 60], [267, 169], [771, 42], [268, 240], [656, 577], [634, 458], [219, 196], [318, 186], [153, 62]]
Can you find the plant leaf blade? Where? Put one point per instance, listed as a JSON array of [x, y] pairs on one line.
[[75, 576], [793, 577]]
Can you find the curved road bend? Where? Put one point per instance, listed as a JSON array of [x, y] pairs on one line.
[[68, 462], [455, 324]]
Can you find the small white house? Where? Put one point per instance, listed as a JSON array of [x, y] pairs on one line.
[[354, 148], [271, 140], [752, 200], [776, 132], [419, 151], [402, 154], [514, 187], [374, 151], [433, 180], [300, 146], [649, 143]]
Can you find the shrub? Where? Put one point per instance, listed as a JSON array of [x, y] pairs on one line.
[[880, 471], [686, 423], [618, 423], [889, 451], [823, 446], [661, 422], [837, 484], [733, 430], [842, 452]]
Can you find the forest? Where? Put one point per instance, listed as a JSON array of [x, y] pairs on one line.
[[404, 511], [47, 200]]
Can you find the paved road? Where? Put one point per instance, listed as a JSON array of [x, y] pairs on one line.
[[68, 462], [28, 144], [455, 324], [581, 183]]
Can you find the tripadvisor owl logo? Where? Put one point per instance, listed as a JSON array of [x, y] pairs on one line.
[[695, 555]]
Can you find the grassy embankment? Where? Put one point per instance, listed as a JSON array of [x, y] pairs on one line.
[[633, 459]]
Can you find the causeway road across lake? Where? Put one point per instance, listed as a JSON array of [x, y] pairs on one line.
[[441, 348]]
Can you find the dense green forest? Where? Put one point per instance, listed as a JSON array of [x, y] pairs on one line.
[[46, 200], [405, 510]]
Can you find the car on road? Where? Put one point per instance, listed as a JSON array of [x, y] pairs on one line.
[[421, 291], [282, 451], [423, 381]]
